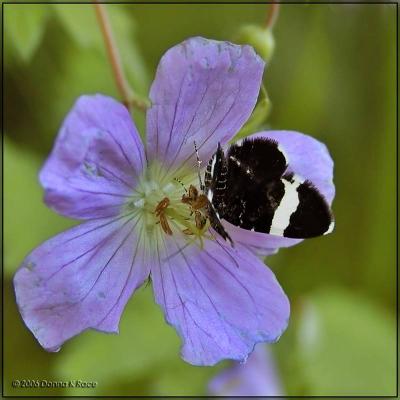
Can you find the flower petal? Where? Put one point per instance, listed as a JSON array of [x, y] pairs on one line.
[[308, 158], [80, 279], [203, 91], [257, 377], [262, 243], [221, 301], [96, 160]]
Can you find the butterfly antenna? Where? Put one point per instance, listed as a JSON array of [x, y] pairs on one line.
[[179, 181], [198, 165]]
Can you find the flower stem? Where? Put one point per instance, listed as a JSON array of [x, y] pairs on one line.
[[130, 99], [273, 14]]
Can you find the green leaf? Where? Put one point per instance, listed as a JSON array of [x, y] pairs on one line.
[[182, 379], [24, 26], [80, 21], [346, 346], [65, 70], [144, 341], [27, 220], [143, 359]]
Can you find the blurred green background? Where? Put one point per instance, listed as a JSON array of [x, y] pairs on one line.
[[333, 76]]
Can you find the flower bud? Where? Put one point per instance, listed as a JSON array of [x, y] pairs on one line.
[[260, 38]]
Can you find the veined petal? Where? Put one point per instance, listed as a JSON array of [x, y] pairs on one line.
[[221, 301], [204, 91], [262, 243], [96, 160], [256, 377], [308, 158], [81, 279]]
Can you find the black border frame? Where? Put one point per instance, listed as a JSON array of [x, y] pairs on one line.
[[187, 3]]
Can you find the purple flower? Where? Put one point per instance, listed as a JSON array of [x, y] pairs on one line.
[[221, 301], [257, 377]]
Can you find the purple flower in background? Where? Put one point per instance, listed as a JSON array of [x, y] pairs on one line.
[[221, 301], [257, 377]]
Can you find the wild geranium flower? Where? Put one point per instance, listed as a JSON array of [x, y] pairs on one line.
[[221, 300], [257, 377]]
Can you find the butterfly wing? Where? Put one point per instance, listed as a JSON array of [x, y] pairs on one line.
[[260, 196]]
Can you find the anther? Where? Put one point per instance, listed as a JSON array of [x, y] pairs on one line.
[[160, 213]]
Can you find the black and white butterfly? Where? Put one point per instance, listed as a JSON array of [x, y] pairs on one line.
[[251, 187]]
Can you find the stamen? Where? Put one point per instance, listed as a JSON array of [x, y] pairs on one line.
[[161, 206], [165, 225], [164, 210], [160, 213]]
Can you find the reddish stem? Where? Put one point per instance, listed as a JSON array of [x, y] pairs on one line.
[[127, 94], [272, 15]]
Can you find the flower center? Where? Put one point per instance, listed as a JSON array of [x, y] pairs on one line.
[[161, 203]]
